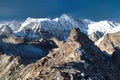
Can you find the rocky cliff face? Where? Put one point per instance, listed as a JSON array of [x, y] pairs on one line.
[[109, 42], [76, 59]]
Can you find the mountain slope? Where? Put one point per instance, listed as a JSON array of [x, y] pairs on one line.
[[109, 42], [78, 59]]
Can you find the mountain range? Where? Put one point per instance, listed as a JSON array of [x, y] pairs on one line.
[[62, 48]]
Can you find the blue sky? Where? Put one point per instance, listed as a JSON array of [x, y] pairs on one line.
[[90, 9]]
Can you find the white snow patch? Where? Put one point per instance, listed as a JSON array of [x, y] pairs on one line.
[[99, 41], [116, 29]]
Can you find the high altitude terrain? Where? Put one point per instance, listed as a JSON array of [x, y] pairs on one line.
[[63, 48]]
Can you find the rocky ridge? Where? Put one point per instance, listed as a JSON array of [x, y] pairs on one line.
[[76, 59]]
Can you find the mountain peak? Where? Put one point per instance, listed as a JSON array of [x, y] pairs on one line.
[[74, 35], [65, 16]]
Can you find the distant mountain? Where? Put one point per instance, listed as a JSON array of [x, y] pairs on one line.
[[61, 27], [35, 28]]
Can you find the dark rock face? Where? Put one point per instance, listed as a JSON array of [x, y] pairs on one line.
[[116, 56], [76, 59]]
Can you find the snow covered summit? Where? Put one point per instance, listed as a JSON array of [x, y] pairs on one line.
[[35, 28]]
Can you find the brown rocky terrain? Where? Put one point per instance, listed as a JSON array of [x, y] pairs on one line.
[[76, 59], [109, 42], [13, 39]]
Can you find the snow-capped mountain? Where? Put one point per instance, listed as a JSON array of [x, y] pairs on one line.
[[60, 28], [14, 25], [7, 28], [97, 30], [44, 27]]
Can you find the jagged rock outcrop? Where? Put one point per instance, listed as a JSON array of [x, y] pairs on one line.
[[109, 42], [9, 66], [76, 59]]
